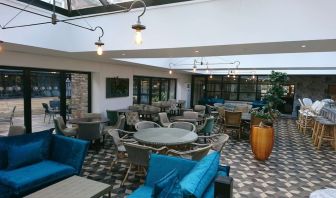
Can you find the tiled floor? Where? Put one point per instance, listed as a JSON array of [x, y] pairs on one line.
[[295, 168]]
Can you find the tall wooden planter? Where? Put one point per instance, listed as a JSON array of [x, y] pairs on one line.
[[262, 141]]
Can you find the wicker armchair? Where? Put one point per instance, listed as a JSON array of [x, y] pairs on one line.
[[183, 125], [233, 122], [62, 129], [16, 130], [119, 125], [217, 141], [200, 109], [132, 118], [195, 154], [118, 143], [164, 121], [146, 125], [138, 155]]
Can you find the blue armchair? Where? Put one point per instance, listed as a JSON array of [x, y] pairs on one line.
[[219, 184], [33, 161]]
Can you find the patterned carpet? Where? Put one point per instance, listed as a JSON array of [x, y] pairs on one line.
[[295, 168]]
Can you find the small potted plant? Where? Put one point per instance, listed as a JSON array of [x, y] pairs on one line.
[[262, 134]]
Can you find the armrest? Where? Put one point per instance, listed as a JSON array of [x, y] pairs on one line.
[[69, 151], [160, 165], [223, 187]]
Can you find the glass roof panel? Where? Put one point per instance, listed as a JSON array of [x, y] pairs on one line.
[[75, 4]]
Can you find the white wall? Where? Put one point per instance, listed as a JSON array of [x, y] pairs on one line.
[[99, 73]]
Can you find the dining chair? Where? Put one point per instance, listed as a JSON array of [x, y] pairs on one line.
[[47, 111], [190, 115], [16, 130], [307, 102], [90, 131], [164, 121], [132, 118], [146, 125], [118, 143], [138, 155], [195, 154], [8, 118], [183, 125], [62, 129], [217, 142], [207, 127], [200, 109], [233, 122], [112, 116], [119, 125]]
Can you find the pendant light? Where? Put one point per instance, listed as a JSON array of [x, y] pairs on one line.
[[99, 43]]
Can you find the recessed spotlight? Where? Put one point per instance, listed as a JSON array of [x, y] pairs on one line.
[[123, 54], [303, 46], [196, 51]]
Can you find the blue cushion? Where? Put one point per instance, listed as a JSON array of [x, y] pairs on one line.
[[6, 142], [4, 192], [23, 155], [210, 191], [160, 165], [33, 177], [142, 192], [69, 151], [168, 186], [199, 178]]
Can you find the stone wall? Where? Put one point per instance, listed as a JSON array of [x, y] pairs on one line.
[[79, 94], [314, 87]]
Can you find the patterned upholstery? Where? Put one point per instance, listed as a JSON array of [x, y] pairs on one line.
[[132, 118]]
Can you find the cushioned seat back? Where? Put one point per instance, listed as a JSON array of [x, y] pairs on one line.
[[6, 142], [160, 165]]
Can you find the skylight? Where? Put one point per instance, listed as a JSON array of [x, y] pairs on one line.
[[83, 4]]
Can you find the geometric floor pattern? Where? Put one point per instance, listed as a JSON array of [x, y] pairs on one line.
[[294, 169]]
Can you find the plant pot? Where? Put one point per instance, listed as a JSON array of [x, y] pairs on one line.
[[262, 141]]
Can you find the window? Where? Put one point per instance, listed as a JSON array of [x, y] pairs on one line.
[[147, 90]]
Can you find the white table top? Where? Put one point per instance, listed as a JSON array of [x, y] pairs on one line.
[[165, 136], [73, 187]]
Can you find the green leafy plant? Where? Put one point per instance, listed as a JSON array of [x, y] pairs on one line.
[[275, 93]]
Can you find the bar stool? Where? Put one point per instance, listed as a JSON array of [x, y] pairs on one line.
[[327, 132], [306, 122], [316, 128]]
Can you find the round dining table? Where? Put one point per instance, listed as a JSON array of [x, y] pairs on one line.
[[81, 120], [165, 136]]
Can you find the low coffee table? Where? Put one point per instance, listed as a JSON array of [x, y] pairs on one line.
[[74, 187]]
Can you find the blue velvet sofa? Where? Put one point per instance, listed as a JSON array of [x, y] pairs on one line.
[[203, 179], [33, 161]]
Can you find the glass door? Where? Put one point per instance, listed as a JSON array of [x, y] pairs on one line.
[[11, 99], [45, 99], [144, 90], [164, 89]]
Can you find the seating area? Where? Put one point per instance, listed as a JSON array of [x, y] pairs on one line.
[[166, 98]]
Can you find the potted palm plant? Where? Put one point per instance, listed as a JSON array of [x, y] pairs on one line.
[[262, 135]]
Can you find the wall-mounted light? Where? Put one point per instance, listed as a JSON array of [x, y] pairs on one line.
[[99, 43], [210, 76], [207, 69], [194, 67], [138, 27]]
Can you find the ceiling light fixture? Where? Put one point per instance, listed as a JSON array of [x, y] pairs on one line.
[[99, 43], [303, 46], [138, 27], [196, 51], [207, 69], [194, 67], [170, 69], [123, 54]]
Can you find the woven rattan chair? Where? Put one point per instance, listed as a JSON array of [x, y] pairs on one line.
[[164, 121], [138, 155], [146, 125], [132, 118], [200, 109], [195, 154], [183, 125], [62, 129], [119, 125], [16, 130], [233, 122], [9, 117], [118, 143]]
